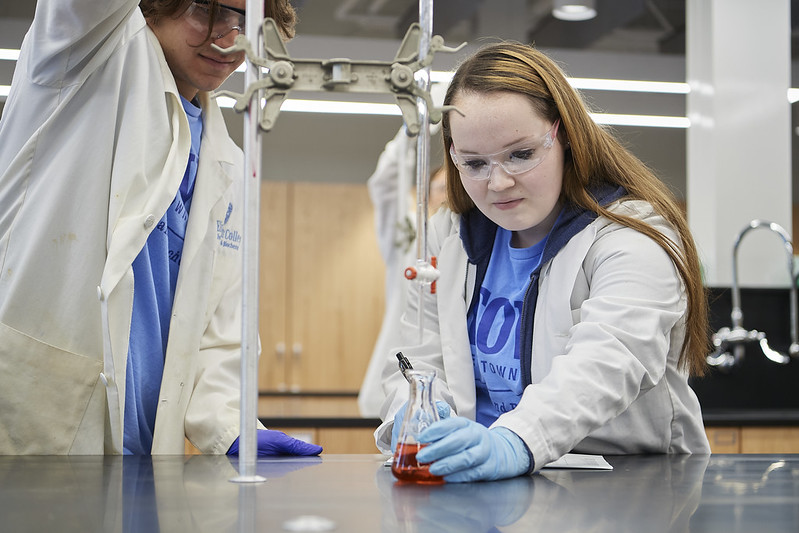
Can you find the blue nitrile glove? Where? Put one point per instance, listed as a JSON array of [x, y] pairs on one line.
[[273, 442], [443, 412], [463, 450]]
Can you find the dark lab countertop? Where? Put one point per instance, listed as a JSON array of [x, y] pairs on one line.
[[713, 418], [751, 417], [354, 493], [312, 409], [331, 409], [319, 422]]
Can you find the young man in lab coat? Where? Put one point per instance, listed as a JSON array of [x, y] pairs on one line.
[[120, 232]]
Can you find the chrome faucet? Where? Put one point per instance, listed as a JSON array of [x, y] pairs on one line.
[[728, 340]]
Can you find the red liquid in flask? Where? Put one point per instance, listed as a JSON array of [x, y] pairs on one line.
[[406, 468]]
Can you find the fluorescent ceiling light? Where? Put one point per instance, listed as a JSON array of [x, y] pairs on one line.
[[327, 106], [363, 108], [9, 54], [438, 76], [349, 108], [573, 10], [599, 84], [656, 121], [668, 87]]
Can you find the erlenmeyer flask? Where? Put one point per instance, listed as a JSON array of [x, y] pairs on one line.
[[420, 413]]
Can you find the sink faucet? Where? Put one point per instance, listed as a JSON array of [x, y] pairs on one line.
[[728, 340]]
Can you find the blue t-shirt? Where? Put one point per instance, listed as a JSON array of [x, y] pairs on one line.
[[155, 274], [494, 326]]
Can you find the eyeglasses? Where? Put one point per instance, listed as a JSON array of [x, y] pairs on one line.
[[227, 18], [515, 160]]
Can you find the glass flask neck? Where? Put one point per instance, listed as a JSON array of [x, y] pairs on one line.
[[421, 412]]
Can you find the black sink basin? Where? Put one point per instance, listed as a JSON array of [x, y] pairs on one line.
[[757, 384]]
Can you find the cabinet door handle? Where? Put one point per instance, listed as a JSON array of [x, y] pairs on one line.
[[296, 352], [280, 357]]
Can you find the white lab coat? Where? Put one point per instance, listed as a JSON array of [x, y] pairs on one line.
[[395, 226], [396, 237], [607, 334], [93, 146]]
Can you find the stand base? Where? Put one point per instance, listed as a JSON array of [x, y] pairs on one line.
[[247, 479]]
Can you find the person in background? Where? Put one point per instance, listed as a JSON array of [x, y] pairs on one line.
[[570, 310], [120, 232], [395, 238]]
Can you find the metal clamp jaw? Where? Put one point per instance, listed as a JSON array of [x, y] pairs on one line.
[[284, 74]]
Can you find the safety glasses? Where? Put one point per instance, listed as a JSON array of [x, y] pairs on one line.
[[227, 19], [515, 160]]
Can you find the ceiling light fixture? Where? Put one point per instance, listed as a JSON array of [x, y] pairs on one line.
[[327, 106], [573, 10], [364, 108], [9, 54], [635, 86], [649, 121]]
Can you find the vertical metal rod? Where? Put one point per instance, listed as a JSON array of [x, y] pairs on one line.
[[251, 199], [423, 153], [403, 179]]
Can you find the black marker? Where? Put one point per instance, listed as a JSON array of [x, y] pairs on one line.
[[404, 365]]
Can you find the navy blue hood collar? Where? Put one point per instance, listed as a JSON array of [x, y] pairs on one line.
[[477, 231]]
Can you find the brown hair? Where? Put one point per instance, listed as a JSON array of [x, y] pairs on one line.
[[280, 10], [595, 157]]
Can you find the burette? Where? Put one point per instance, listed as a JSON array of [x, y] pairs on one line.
[[425, 272]]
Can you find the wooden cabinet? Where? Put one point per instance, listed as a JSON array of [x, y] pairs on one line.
[[331, 439], [769, 440], [724, 439], [321, 286], [753, 439]]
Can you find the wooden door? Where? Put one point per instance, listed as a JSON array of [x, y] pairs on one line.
[[273, 288], [321, 286], [337, 286]]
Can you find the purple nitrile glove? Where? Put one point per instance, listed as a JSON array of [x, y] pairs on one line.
[[273, 442]]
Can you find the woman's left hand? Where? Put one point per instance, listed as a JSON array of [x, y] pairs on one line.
[[463, 450]]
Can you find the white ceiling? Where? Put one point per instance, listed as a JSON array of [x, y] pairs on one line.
[[649, 26]]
